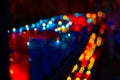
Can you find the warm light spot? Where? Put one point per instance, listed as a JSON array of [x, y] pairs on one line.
[[88, 72], [93, 16], [88, 15], [92, 59], [77, 78], [81, 57], [84, 79], [58, 29], [100, 14], [24, 32], [65, 17], [90, 66], [11, 71], [75, 68], [11, 59], [88, 56], [99, 41], [69, 78], [93, 36], [81, 69]]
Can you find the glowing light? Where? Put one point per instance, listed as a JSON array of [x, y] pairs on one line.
[[58, 41], [88, 56], [41, 21], [81, 57], [59, 22], [63, 29], [28, 43], [11, 59], [75, 68], [35, 29], [24, 32], [78, 74], [93, 16], [50, 22], [99, 41], [84, 79], [88, 72], [89, 20], [27, 27], [58, 29], [69, 34], [53, 19], [90, 66], [93, 35], [88, 15], [33, 25], [44, 28], [69, 78], [81, 69], [100, 14], [43, 24], [70, 23], [65, 17], [77, 14], [20, 30], [11, 71], [77, 78], [8, 31], [14, 29]]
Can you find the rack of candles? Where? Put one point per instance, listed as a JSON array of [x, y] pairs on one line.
[[49, 42]]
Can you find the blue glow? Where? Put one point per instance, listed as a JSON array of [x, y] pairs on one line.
[[14, 29], [77, 14], [44, 28], [68, 19], [57, 42], [37, 24], [45, 20], [48, 26], [89, 20], [53, 19], [69, 34], [41, 21], [33, 25], [20, 30]]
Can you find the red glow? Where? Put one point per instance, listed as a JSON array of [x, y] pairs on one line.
[[84, 62], [19, 69], [78, 74]]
